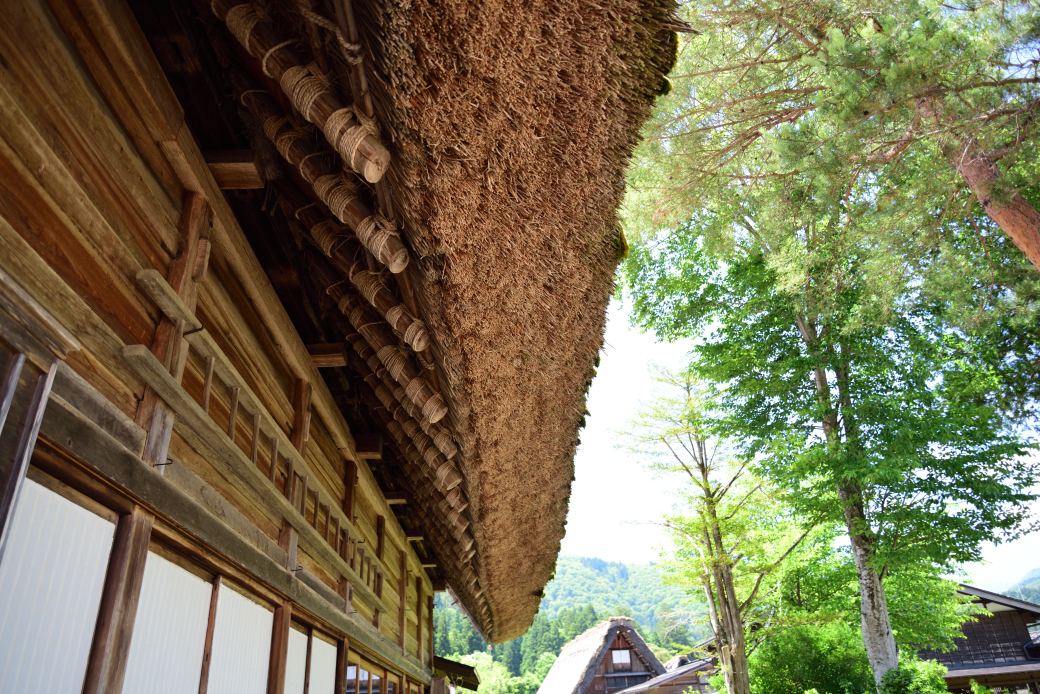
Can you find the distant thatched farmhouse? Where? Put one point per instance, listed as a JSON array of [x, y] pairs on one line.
[[607, 658]]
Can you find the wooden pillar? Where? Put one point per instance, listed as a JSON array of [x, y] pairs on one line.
[[402, 598], [30, 428], [169, 345], [207, 649], [288, 539], [350, 480], [106, 665], [418, 618], [301, 414], [340, 685], [429, 628], [380, 536], [279, 648]]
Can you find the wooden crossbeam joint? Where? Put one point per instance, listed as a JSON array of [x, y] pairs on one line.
[[328, 355], [234, 169]]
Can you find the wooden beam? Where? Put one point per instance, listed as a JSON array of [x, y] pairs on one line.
[[396, 498], [440, 585], [234, 169], [328, 355], [110, 650], [202, 433], [369, 446], [416, 538], [159, 290], [429, 566]]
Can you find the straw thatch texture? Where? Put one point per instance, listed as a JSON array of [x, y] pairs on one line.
[[510, 124], [576, 665]]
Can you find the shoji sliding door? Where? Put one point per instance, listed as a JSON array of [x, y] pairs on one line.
[[169, 630], [241, 645], [51, 580]]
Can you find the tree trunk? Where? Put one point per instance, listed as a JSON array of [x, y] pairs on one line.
[[1019, 219], [874, 621]]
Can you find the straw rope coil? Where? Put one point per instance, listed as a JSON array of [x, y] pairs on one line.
[[241, 20], [336, 191], [329, 236], [375, 233], [302, 86], [395, 360], [345, 130]]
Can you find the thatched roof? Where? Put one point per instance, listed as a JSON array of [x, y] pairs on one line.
[[576, 666], [512, 123], [507, 127]]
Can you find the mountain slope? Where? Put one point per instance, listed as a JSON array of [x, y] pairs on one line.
[[636, 589], [1028, 588]]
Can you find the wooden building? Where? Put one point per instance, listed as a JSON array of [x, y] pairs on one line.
[[299, 304], [609, 657], [686, 676], [1001, 649]]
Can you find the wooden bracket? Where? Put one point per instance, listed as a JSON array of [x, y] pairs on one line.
[[234, 169], [327, 356]]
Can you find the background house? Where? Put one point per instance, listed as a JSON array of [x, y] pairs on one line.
[[998, 650], [686, 676], [607, 658]]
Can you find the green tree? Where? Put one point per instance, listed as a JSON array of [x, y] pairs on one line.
[[734, 532], [829, 658], [915, 103], [869, 411], [543, 637]]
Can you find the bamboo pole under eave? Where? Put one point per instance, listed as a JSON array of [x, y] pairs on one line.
[[329, 185], [374, 330], [351, 134]]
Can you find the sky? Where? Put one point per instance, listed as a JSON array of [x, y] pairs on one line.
[[615, 502]]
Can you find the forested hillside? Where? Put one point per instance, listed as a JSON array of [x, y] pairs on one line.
[[635, 590], [1027, 589], [583, 592]]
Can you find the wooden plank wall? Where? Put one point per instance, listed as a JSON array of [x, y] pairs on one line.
[[95, 161]]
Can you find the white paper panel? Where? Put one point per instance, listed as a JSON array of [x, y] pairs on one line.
[[169, 630], [323, 667], [296, 663], [50, 588], [241, 645]]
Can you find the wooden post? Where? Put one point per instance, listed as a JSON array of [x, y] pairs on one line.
[[23, 453], [429, 627], [350, 479], [106, 665], [168, 345], [380, 536], [418, 617], [233, 413], [402, 598], [287, 540], [279, 648], [301, 414], [340, 684], [207, 650]]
